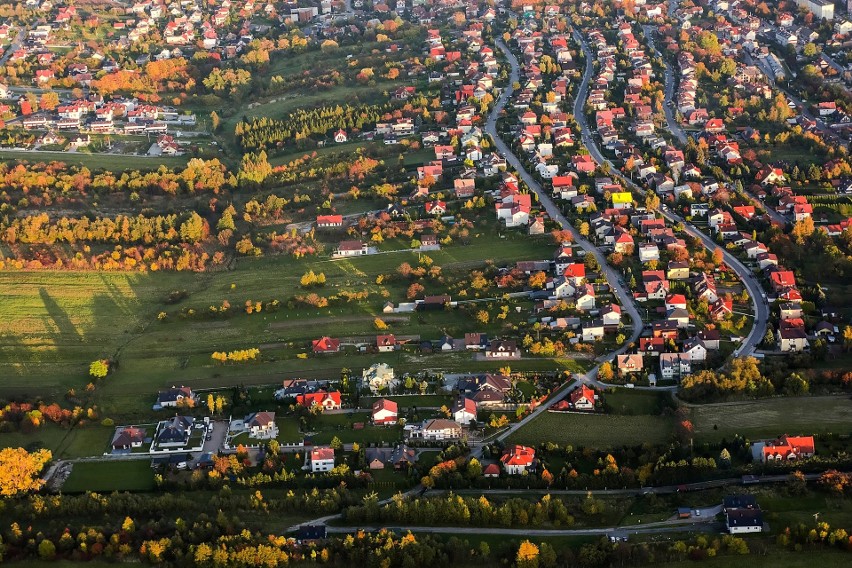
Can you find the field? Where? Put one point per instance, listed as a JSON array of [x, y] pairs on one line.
[[772, 417], [598, 431], [53, 324], [775, 559], [135, 475], [112, 162]]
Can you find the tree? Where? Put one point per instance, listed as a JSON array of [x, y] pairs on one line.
[[809, 50], [46, 550], [211, 403], [49, 100], [482, 317], [718, 256], [99, 369], [19, 470], [379, 324], [335, 443], [215, 121], [527, 555], [605, 372], [847, 337]]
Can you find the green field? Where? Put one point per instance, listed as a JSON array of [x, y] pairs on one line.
[[53, 324], [772, 417], [594, 430], [112, 162], [135, 475], [774, 559]]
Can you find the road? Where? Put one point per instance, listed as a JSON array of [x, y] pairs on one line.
[[759, 305], [708, 525], [555, 213], [13, 47], [668, 105]]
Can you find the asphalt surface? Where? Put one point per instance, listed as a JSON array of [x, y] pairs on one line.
[[759, 305], [671, 120]]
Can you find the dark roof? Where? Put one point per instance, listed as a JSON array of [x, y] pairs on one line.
[[745, 518], [310, 532], [739, 502]]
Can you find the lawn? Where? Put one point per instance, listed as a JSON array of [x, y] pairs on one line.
[[103, 477], [112, 162], [772, 417], [774, 559], [91, 440], [598, 431], [419, 400], [53, 324], [634, 402], [329, 426]]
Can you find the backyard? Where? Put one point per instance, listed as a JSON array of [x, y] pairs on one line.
[[108, 476]]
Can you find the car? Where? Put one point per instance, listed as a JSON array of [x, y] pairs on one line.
[[697, 512], [208, 437], [182, 465]]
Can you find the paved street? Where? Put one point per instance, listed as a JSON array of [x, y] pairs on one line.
[[759, 304]]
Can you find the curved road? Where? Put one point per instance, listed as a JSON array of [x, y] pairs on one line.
[[556, 214], [674, 126], [759, 305]]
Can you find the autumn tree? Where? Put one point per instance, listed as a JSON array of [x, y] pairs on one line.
[[19, 470], [527, 555], [605, 372], [99, 369]]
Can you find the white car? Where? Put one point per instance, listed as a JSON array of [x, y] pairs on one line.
[[182, 465]]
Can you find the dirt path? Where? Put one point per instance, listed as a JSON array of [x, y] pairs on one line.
[[324, 321]]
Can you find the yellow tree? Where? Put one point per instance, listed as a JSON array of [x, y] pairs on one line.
[[211, 403], [19, 470], [527, 555]]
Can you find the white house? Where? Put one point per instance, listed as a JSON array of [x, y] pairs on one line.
[[378, 376], [464, 411], [322, 459]]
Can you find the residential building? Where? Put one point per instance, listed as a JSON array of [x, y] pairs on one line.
[[322, 459], [385, 412], [517, 459]]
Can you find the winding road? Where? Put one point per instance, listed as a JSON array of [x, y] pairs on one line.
[[555, 213], [668, 105], [760, 305]]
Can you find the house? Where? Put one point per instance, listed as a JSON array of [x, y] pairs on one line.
[[583, 163], [464, 187], [517, 459], [648, 252], [582, 398], [792, 339], [675, 301], [327, 400], [175, 432], [340, 136], [675, 365], [261, 425], [310, 533], [769, 176], [176, 396], [485, 390], [584, 298], [788, 448], [385, 412], [491, 470], [128, 437], [593, 330], [464, 410], [502, 349], [677, 270], [386, 343], [738, 521], [436, 429], [475, 341], [632, 363], [710, 338], [695, 349], [326, 344], [329, 221], [378, 377], [322, 459], [351, 248], [437, 207], [611, 316]]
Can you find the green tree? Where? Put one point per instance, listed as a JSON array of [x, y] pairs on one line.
[[46, 550], [336, 444]]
